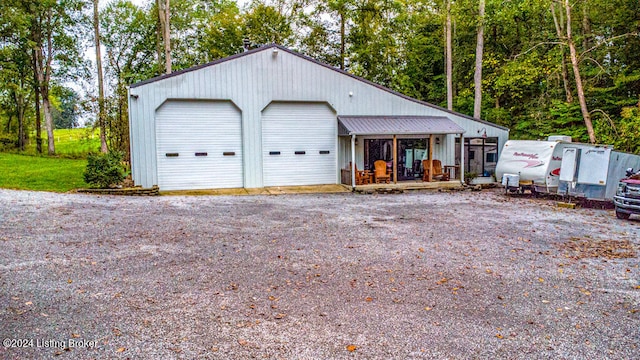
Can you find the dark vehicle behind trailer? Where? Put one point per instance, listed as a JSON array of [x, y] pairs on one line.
[[627, 198]]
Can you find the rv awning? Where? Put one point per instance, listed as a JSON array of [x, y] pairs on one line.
[[396, 125]]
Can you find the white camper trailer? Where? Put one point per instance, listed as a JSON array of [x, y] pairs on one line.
[[538, 163], [563, 167], [535, 163]]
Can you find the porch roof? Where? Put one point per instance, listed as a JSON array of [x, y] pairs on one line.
[[397, 125]]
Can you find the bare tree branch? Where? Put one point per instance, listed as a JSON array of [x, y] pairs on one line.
[[613, 125], [606, 41], [537, 45]]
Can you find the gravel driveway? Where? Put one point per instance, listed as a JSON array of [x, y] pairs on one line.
[[461, 275]]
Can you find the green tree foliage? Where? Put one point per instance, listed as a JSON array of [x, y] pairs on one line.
[[222, 32], [528, 83], [263, 24], [128, 35], [66, 107]]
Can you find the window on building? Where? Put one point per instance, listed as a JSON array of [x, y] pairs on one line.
[[487, 148]]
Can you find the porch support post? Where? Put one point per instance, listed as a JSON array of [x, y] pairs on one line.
[[430, 179], [353, 161], [462, 168], [395, 159]]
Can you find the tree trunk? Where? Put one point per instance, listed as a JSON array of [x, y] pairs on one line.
[[159, 36], [477, 77], [19, 101], [45, 75], [565, 73], [101, 110], [48, 119], [43, 85], [448, 55], [576, 73], [9, 120], [342, 40], [21, 137], [167, 37], [36, 91], [586, 28]]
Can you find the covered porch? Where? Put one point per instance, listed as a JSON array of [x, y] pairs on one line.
[[407, 152]]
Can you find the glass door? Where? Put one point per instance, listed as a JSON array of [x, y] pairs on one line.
[[411, 152], [481, 156]]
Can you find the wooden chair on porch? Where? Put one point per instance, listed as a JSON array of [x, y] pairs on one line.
[[363, 177], [437, 174], [380, 172]]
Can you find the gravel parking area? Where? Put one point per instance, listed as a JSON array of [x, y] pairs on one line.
[[460, 275]]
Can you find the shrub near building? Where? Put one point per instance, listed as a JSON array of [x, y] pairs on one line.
[[104, 170]]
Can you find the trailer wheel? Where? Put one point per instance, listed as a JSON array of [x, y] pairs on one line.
[[535, 193], [622, 215]]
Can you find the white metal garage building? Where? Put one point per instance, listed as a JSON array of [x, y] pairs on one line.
[[270, 117]]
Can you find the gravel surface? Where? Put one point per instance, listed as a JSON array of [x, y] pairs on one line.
[[460, 275]]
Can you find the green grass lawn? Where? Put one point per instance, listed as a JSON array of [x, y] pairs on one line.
[[26, 172]]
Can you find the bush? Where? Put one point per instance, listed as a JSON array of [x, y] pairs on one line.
[[469, 176], [7, 142], [104, 170]]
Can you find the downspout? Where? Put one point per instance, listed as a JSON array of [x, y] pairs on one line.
[[353, 161]]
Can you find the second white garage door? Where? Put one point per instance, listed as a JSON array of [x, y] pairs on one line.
[[299, 144], [199, 145]]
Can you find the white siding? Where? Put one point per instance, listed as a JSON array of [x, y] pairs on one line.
[[255, 80]]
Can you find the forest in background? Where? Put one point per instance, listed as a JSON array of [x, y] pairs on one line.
[[547, 66]]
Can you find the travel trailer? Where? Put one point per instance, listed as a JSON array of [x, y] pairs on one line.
[[559, 166], [535, 164]]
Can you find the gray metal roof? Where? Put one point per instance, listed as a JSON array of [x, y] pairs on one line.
[[389, 125]]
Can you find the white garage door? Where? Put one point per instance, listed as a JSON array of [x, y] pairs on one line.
[[199, 145], [299, 144]]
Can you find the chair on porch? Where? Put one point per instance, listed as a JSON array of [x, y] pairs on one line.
[[438, 174], [363, 177], [380, 172]]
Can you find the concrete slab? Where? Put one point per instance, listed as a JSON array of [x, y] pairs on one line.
[[412, 185], [310, 189], [276, 190]]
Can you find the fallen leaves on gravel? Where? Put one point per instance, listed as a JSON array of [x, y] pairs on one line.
[[121, 350], [577, 248]]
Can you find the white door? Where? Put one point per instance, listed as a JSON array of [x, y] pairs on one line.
[[299, 144], [199, 145]]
